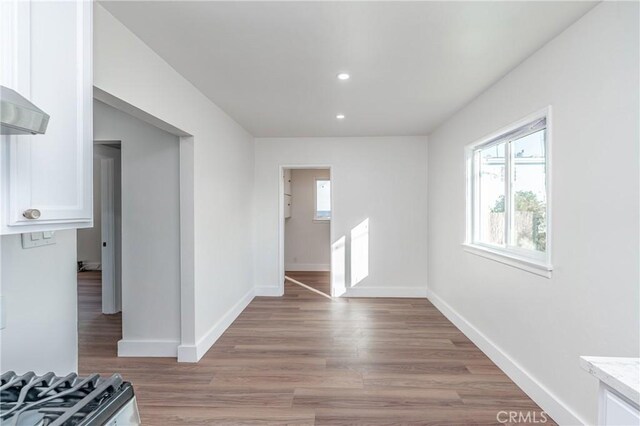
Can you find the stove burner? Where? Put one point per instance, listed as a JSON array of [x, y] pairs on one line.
[[54, 401]]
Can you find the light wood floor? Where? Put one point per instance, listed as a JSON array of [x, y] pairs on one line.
[[318, 280], [305, 359]]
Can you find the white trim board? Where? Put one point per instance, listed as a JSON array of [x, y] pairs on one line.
[[407, 292], [542, 396], [147, 348], [193, 353], [307, 267], [523, 264], [110, 300]]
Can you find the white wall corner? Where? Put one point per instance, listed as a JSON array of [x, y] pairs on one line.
[[187, 353], [147, 348], [193, 353], [550, 403]]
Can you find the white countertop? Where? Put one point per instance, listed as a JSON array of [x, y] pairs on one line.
[[621, 374]]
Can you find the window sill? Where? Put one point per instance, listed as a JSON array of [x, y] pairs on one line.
[[322, 220], [535, 267]]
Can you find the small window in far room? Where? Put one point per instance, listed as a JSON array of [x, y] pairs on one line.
[[507, 193], [322, 211]]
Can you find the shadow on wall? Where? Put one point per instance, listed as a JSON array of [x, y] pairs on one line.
[[359, 258]]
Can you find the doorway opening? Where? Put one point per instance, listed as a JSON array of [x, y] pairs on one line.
[[99, 258], [133, 256], [306, 228], [99, 248]]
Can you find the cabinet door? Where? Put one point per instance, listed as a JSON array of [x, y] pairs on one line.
[[618, 412], [50, 55]]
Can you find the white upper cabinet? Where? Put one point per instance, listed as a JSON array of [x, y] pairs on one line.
[[46, 53]]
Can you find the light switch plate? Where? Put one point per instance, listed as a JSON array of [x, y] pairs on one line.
[[38, 239]]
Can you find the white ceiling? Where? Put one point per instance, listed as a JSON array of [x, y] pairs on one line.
[[272, 65]]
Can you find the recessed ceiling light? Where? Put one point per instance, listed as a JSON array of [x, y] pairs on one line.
[[340, 116], [343, 76]]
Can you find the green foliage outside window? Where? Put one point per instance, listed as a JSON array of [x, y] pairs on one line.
[[527, 201]]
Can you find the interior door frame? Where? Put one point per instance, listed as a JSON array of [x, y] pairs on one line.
[[111, 285], [108, 236], [281, 225], [188, 348]]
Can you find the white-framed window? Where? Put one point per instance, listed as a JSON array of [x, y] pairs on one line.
[[508, 209], [322, 198]]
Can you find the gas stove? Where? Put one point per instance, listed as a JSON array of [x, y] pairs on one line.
[[49, 400]]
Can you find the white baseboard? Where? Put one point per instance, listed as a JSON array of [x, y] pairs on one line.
[[193, 353], [187, 353], [312, 267], [338, 291], [147, 348], [550, 403], [269, 291], [409, 292]]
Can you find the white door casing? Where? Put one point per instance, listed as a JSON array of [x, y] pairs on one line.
[[110, 299]]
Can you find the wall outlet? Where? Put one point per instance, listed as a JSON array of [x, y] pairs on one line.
[[38, 239]]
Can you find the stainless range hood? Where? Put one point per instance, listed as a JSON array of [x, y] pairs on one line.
[[18, 116]]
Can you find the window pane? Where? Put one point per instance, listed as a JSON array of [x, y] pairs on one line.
[[529, 226], [491, 213], [323, 199]]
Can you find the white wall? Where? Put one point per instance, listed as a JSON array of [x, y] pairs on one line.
[[589, 74], [150, 174], [222, 283], [40, 302], [382, 179], [307, 242]]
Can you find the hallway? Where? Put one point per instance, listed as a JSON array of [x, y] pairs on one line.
[[305, 359]]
